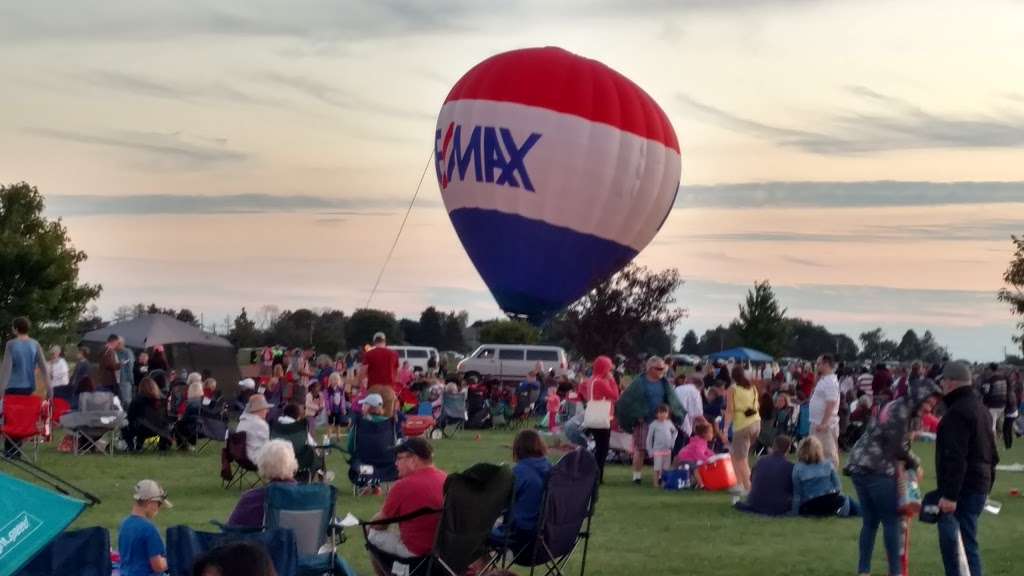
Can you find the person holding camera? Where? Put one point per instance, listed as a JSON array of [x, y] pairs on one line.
[[741, 411]]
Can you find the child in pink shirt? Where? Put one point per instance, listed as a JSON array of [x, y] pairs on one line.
[[696, 451], [554, 403]]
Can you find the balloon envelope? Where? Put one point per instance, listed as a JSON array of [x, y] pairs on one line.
[[555, 171]]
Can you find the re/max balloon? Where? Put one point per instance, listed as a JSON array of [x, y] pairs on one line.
[[555, 171]]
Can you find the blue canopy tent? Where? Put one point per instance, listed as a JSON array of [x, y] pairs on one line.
[[742, 355]]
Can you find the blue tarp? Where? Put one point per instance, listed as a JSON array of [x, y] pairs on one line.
[[30, 517], [742, 354]]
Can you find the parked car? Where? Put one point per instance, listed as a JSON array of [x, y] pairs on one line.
[[417, 356], [513, 361]]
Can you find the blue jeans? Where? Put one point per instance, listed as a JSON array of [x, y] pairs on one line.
[[963, 522], [879, 502]]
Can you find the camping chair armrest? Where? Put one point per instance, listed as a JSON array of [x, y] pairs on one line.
[[234, 529], [402, 518]]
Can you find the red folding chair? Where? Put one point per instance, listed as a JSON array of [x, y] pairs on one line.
[[23, 419]]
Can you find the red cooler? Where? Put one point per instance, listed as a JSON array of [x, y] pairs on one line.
[[717, 473]]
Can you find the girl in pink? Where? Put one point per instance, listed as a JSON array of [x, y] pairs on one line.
[[554, 403], [697, 451]]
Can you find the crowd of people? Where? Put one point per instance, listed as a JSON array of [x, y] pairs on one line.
[[674, 418]]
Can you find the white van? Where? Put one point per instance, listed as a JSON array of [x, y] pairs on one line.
[[512, 361], [416, 356]]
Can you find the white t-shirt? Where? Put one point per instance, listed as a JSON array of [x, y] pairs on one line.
[[689, 398], [827, 390]]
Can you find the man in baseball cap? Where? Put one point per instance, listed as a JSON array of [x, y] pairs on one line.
[[139, 543]]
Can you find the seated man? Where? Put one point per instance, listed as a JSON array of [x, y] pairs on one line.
[[771, 491], [254, 423], [420, 485]]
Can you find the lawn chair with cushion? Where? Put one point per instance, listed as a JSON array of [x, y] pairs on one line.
[[473, 502], [566, 513], [95, 424], [184, 545], [235, 464], [85, 552], [24, 418], [453, 416], [308, 511]]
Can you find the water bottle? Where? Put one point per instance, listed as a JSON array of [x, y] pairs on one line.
[[910, 500], [326, 441]]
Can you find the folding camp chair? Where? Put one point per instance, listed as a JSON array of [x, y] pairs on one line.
[[452, 418], [473, 501], [297, 434], [234, 462], [372, 461], [95, 424], [308, 511], [184, 545], [84, 552], [566, 513], [23, 420], [211, 429]]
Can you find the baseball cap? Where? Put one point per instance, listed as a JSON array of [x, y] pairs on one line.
[[417, 447], [379, 337], [956, 371], [374, 400], [150, 491]]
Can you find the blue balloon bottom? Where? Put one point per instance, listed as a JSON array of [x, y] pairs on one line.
[[533, 268]]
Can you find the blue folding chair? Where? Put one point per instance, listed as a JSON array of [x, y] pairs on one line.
[[84, 552], [308, 511], [184, 545]]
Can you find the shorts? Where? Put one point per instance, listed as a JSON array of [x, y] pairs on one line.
[[743, 439], [662, 461], [337, 419], [389, 542], [829, 440], [640, 437]]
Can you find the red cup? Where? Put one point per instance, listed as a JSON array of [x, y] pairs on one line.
[[1014, 492]]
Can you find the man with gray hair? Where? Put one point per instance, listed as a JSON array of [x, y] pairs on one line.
[[965, 468], [638, 407]]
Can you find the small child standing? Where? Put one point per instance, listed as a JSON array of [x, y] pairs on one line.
[[314, 406], [661, 438], [554, 403], [337, 409], [138, 540]]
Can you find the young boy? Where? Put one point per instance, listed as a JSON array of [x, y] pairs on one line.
[[553, 404], [142, 551], [661, 438]]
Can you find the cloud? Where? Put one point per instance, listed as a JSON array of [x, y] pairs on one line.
[[891, 124], [805, 262], [173, 150], [140, 85], [978, 230], [328, 94], [331, 209], [848, 194]]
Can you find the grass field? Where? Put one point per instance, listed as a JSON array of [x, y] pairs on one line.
[[637, 529]]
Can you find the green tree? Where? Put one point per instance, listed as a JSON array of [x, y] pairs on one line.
[[1013, 292], [930, 350], [650, 339], [690, 343], [365, 322], [846, 348], [432, 328], [39, 266], [410, 331], [604, 320], [329, 332], [909, 347], [454, 332], [244, 333], [508, 332], [875, 347], [720, 338], [187, 316], [760, 321]]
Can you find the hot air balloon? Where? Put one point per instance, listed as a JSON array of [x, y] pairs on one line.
[[556, 171]]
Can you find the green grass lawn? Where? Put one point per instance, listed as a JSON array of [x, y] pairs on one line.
[[637, 529]]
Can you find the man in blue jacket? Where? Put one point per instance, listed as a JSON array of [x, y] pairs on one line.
[[22, 356]]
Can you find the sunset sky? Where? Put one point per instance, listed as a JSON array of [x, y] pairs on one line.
[[867, 158]]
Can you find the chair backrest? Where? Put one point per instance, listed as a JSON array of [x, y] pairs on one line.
[[375, 442], [99, 401], [85, 552], [297, 434], [305, 509], [473, 500], [454, 405], [22, 415], [214, 428], [235, 446], [184, 545], [568, 501]]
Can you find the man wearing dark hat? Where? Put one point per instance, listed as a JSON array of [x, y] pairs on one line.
[[420, 485], [965, 468]]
